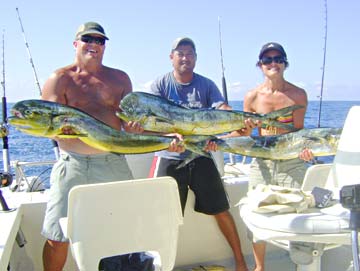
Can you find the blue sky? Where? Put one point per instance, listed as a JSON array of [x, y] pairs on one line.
[[141, 33]]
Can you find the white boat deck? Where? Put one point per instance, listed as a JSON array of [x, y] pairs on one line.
[[200, 241], [9, 226]]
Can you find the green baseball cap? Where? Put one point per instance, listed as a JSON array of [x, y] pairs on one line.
[[181, 41], [90, 28]]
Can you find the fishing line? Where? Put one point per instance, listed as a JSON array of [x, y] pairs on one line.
[[54, 143]]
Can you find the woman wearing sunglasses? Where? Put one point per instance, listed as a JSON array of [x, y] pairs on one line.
[[272, 94]]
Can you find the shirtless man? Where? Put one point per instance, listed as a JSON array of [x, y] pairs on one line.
[[273, 94], [96, 89]]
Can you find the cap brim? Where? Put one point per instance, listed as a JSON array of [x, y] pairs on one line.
[[93, 32], [272, 49]]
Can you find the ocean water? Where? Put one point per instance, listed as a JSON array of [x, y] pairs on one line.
[[27, 148]]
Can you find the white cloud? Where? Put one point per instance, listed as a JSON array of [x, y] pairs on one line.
[[143, 86]]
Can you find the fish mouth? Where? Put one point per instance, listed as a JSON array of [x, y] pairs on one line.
[[17, 114], [22, 123]]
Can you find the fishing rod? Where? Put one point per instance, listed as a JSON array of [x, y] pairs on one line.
[[223, 81], [323, 65], [224, 89], [55, 145], [29, 53], [6, 176]]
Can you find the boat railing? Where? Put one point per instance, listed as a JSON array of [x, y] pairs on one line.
[[24, 182]]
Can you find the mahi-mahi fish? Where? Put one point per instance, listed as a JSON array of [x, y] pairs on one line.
[[158, 114], [321, 141], [49, 119]]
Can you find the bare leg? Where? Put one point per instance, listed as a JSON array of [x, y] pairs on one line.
[[54, 255], [259, 255], [228, 228]]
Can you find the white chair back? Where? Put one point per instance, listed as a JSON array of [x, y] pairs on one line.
[[122, 217], [346, 166]]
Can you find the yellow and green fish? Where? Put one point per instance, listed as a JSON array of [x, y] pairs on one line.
[[158, 114], [49, 119]]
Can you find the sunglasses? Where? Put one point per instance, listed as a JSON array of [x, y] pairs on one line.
[[267, 60], [91, 39]]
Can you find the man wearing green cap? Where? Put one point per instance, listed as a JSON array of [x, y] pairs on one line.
[[97, 90]]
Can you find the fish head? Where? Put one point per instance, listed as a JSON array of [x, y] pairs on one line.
[[130, 104], [333, 137], [31, 116], [324, 141], [43, 118]]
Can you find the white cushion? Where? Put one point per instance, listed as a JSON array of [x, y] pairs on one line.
[[313, 221]]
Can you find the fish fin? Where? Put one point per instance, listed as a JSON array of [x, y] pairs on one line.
[[196, 144], [161, 119], [197, 148], [142, 118], [122, 116], [187, 160], [279, 124], [65, 136], [313, 138]]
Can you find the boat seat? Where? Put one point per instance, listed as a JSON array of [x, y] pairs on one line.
[[122, 217], [307, 235]]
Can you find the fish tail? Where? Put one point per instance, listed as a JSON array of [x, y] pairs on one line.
[[196, 144], [187, 160], [197, 148], [271, 119]]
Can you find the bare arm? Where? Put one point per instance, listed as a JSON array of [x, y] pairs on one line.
[[53, 89], [299, 115], [249, 124]]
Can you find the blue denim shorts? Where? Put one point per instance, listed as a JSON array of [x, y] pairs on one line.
[[75, 169]]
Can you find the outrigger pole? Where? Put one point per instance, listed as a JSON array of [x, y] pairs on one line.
[[323, 66], [55, 145]]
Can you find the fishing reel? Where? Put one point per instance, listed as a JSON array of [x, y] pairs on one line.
[[350, 199], [6, 179], [350, 196], [4, 130]]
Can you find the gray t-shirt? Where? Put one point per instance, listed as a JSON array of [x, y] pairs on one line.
[[201, 92]]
